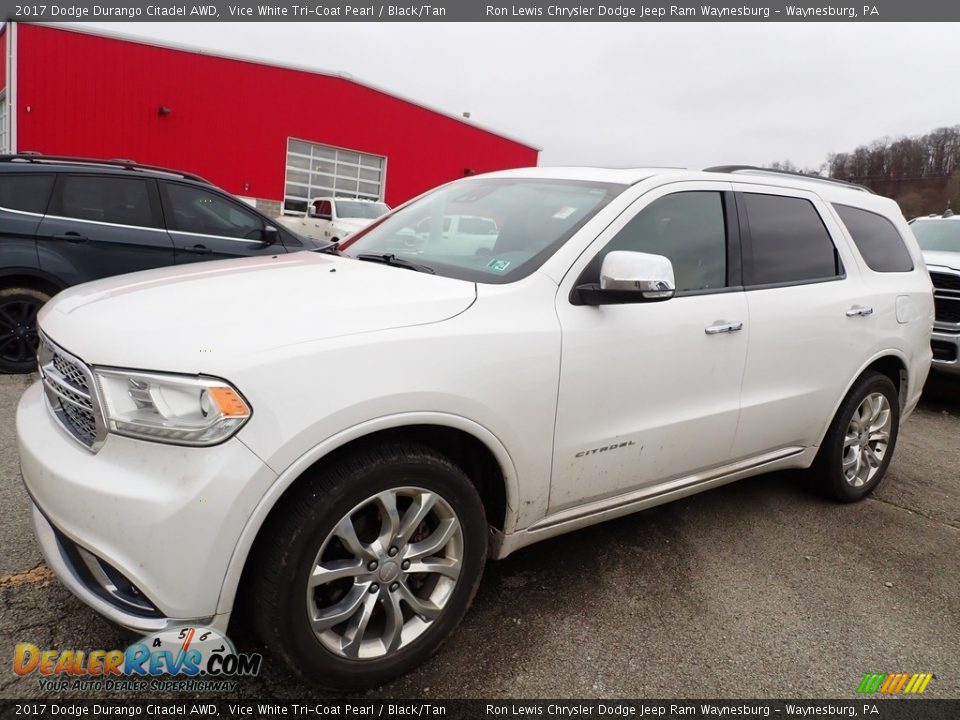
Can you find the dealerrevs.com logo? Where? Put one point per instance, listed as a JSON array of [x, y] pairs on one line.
[[191, 659]]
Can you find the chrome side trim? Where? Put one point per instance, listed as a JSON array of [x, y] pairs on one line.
[[216, 237], [21, 212], [106, 224], [627, 500], [503, 544]]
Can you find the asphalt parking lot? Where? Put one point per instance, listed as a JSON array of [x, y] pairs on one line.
[[756, 589]]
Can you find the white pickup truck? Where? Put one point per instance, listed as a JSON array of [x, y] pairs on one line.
[[328, 218]]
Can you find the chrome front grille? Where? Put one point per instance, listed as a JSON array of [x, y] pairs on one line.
[[70, 391], [71, 372], [946, 297], [945, 281]]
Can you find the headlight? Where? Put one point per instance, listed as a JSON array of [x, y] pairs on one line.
[[170, 408]]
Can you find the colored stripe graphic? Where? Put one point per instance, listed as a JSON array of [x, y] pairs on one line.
[[894, 683], [871, 683]]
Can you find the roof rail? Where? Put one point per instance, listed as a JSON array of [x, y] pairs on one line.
[[752, 169], [123, 164]]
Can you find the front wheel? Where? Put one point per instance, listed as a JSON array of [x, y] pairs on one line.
[[18, 328], [859, 445], [365, 570]]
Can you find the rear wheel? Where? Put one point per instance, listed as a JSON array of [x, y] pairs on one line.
[[366, 570], [18, 328], [859, 445]]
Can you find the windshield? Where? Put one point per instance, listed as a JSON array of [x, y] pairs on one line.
[[937, 234], [492, 230], [356, 209]]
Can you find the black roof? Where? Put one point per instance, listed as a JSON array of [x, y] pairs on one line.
[[38, 163]]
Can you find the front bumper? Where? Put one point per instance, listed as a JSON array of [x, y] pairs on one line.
[[946, 350], [142, 532], [98, 591]]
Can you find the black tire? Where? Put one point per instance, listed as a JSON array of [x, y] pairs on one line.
[[827, 474], [18, 328], [299, 527]]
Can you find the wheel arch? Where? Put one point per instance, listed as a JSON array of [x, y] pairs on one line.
[[471, 446], [893, 364], [32, 278]]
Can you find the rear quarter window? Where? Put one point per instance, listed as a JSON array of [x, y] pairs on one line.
[[789, 243], [877, 239], [25, 192]]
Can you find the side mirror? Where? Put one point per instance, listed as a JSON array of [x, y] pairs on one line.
[[270, 235], [630, 277], [311, 211]]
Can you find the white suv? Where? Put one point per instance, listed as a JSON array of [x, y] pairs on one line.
[[203, 435]]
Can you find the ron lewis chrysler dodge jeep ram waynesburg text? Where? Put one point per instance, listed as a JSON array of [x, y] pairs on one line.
[[340, 439]]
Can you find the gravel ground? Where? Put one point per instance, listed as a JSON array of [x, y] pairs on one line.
[[756, 589]]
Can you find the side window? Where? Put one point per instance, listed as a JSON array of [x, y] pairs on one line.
[[877, 240], [789, 242], [689, 228], [324, 207], [25, 192], [115, 200], [200, 211]]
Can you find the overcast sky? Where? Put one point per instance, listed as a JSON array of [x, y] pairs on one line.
[[634, 93]]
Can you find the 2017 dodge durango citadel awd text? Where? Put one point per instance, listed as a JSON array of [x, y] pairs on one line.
[[202, 435]]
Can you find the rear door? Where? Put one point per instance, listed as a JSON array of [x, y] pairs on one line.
[[23, 202], [205, 224], [811, 319], [102, 225]]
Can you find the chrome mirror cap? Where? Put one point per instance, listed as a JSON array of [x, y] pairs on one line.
[[650, 275]]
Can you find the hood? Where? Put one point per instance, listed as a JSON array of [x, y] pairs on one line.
[[204, 316], [942, 258]]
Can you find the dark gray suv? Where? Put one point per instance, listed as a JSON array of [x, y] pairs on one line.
[[65, 221]]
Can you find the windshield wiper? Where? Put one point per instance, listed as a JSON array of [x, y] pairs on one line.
[[391, 259]]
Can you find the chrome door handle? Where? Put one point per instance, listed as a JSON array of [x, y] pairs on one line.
[[723, 327], [859, 311]]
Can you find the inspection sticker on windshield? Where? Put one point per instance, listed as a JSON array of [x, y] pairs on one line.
[[498, 266], [564, 212]]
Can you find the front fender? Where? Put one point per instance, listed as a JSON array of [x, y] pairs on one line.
[[288, 476]]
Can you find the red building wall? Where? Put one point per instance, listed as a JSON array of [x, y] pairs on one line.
[[81, 94]]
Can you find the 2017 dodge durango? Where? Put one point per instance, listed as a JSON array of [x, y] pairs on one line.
[[342, 439]]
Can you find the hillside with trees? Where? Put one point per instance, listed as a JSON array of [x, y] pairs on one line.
[[921, 173]]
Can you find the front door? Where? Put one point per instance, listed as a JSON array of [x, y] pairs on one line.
[[651, 391], [207, 225]]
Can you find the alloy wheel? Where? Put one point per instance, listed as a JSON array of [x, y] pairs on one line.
[[866, 440], [18, 330], [384, 573]]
